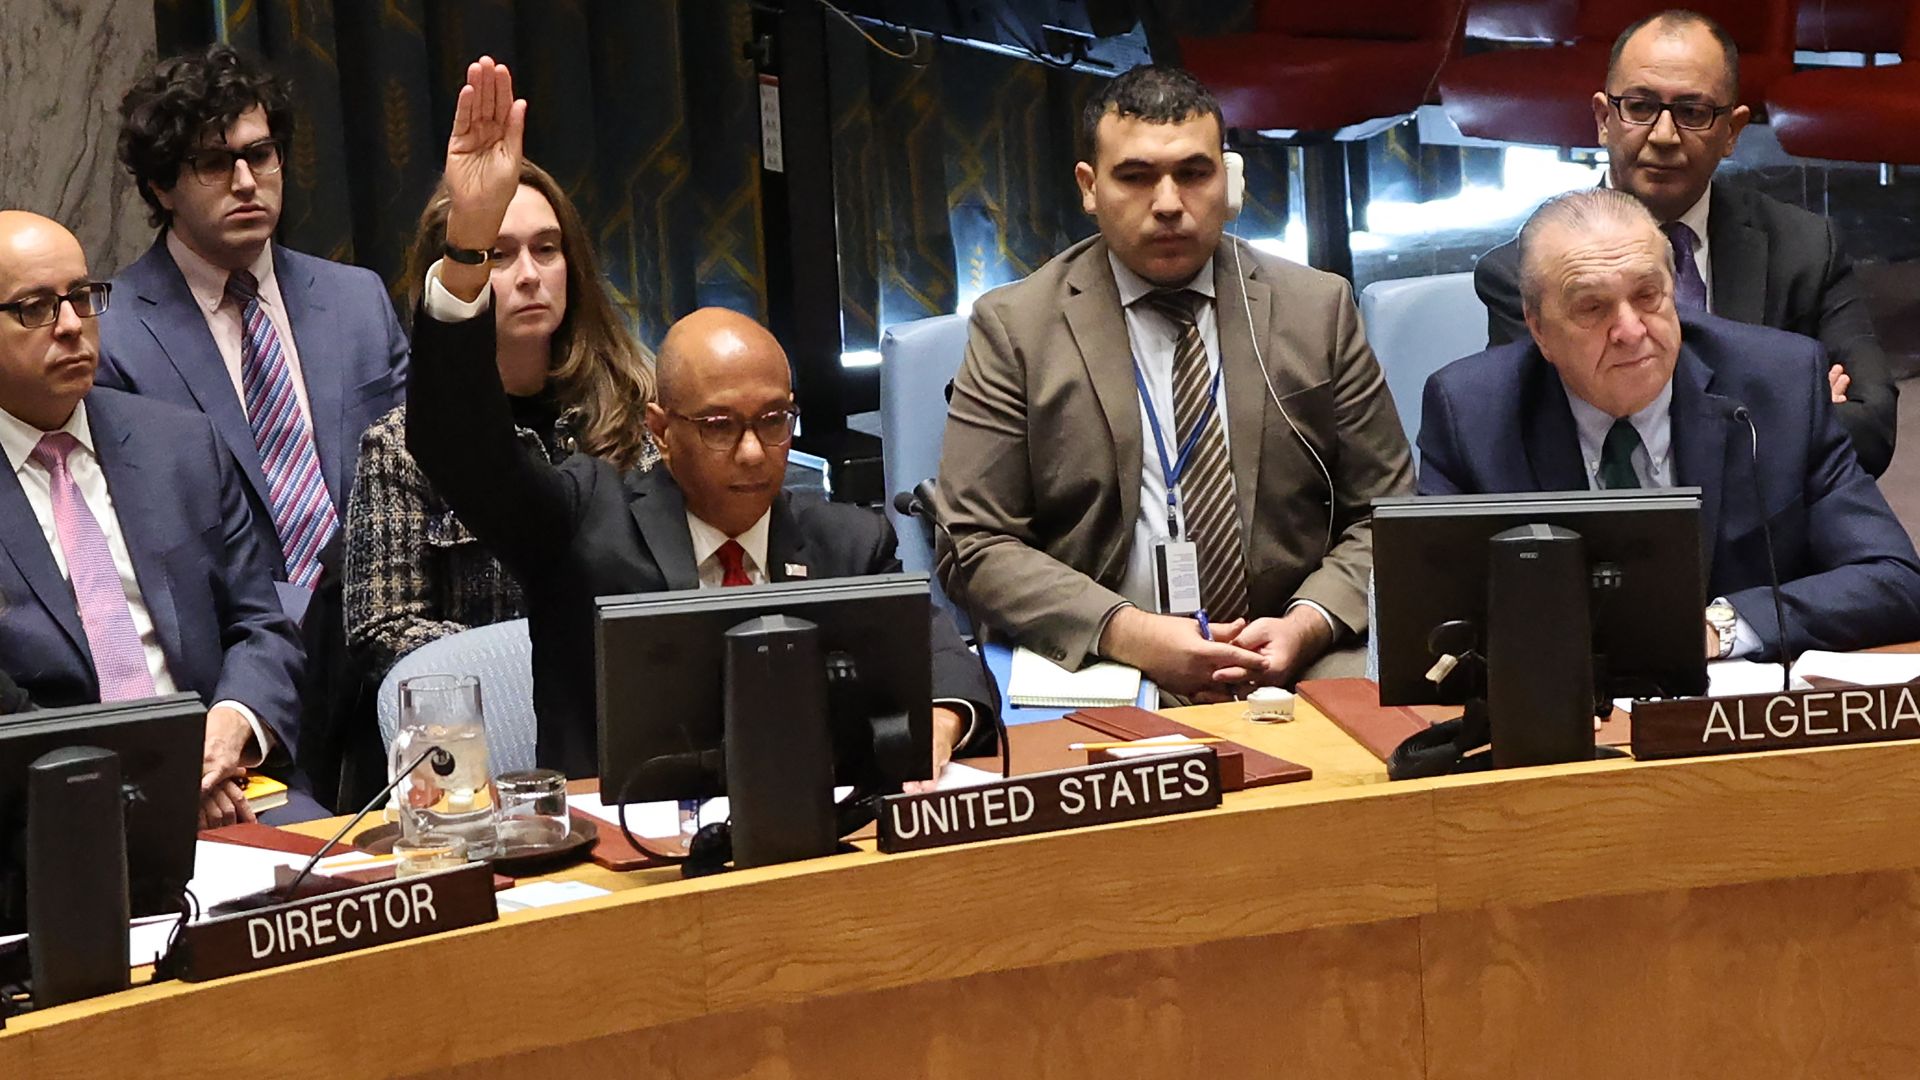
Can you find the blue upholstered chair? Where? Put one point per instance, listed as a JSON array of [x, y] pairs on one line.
[[1418, 326], [502, 657]]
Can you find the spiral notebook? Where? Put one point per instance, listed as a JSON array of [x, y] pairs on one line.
[[1037, 682]]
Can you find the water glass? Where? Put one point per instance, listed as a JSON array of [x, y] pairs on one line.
[[451, 792], [427, 853], [533, 808]]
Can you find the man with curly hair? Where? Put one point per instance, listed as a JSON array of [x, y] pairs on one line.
[[290, 356]]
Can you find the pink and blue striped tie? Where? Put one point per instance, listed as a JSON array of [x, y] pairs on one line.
[[119, 663], [303, 513]]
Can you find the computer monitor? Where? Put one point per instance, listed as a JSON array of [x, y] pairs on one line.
[[159, 742], [659, 660], [1647, 601]]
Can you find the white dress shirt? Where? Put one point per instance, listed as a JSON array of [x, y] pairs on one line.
[[1652, 459], [19, 438], [708, 540], [1652, 464], [225, 319], [1154, 339]]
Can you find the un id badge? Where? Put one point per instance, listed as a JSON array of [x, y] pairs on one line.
[[1176, 576]]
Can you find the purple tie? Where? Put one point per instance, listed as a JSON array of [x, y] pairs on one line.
[[119, 663], [1689, 291], [303, 513]]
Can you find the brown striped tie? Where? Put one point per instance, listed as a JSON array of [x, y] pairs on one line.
[[1206, 486]]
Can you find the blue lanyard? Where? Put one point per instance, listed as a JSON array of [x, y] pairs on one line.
[[1172, 471]]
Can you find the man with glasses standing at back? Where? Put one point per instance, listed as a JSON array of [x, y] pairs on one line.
[[290, 356], [1668, 116]]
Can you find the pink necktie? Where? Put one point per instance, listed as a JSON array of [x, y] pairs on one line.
[[119, 663]]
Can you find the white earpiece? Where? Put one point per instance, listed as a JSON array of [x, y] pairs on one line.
[[1236, 183]]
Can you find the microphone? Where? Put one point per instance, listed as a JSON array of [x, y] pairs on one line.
[[442, 765], [1739, 414], [919, 503]]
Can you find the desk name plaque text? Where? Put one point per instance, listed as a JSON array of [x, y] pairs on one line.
[[1171, 783], [1788, 720], [336, 922]]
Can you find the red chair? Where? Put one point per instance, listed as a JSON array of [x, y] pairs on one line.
[[1544, 95], [1541, 21], [1316, 66], [1323, 72], [1853, 114], [1852, 26]]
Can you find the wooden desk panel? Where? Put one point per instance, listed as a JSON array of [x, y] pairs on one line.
[[1338, 1002], [1599, 919]]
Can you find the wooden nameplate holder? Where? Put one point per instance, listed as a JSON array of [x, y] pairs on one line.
[[326, 920], [1240, 766]]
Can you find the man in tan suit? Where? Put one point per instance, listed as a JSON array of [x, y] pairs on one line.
[[1268, 410]]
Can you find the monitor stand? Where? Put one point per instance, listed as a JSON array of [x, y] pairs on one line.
[[77, 904], [779, 745], [1539, 647]]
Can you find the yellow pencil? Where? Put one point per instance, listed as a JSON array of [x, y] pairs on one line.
[[1141, 745]]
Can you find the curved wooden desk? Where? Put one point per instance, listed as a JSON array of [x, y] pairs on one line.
[[1740, 916]]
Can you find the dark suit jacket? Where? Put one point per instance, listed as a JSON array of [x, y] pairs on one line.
[[1499, 422], [1773, 265], [205, 578], [353, 357], [1040, 470], [582, 529]]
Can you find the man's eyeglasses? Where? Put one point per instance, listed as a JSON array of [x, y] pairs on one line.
[[724, 432], [214, 165], [43, 309], [1691, 115]]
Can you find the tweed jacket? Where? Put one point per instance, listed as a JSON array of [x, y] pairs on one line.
[[414, 572]]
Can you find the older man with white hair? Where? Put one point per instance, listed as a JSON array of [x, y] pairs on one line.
[[1615, 389]]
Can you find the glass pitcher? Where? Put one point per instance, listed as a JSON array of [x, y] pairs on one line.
[[451, 792]]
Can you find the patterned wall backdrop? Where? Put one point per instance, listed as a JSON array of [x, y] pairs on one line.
[[643, 109], [955, 168]]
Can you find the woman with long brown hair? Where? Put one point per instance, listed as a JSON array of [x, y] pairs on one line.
[[577, 381]]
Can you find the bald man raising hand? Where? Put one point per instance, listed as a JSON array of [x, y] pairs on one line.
[[714, 513]]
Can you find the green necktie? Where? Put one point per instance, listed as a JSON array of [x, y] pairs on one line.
[[1616, 456]]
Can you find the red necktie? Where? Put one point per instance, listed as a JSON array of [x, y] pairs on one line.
[[733, 564]]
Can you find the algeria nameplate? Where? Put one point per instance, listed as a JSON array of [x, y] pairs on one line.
[[1171, 783], [337, 922], [1787, 720]]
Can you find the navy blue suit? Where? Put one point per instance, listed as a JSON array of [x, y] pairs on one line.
[[203, 574], [154, 342], [1499, 421]]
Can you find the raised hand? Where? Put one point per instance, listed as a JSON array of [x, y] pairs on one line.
[[483, 154]]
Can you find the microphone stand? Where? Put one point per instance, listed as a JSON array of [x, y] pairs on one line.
[[1741, 415], [442, 764]]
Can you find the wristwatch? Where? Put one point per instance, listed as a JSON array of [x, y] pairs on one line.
[[466, 256], [1725, 621]]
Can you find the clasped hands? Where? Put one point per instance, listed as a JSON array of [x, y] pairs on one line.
[[1170, 650]]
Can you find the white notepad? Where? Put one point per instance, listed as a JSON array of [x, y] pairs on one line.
[[1037, 682]]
